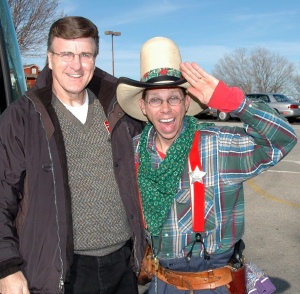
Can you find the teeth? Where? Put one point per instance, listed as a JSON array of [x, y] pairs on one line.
[[166, 120], [75, 76]]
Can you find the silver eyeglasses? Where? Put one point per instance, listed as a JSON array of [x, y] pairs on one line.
[[173, 101], [69, 56]]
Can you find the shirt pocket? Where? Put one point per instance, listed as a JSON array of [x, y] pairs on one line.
[[183, 211]]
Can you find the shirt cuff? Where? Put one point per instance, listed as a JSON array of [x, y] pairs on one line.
[[226, 99], [10, 266], [9, 271]]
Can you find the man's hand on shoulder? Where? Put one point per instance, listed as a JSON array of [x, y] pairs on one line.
[[14, 284]]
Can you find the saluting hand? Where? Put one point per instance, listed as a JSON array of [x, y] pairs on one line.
[[203, 84]]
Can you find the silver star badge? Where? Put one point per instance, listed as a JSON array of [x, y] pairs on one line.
[[197, 175]]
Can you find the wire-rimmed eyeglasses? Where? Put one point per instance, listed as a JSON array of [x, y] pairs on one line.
[[173, 101], [69, 56]]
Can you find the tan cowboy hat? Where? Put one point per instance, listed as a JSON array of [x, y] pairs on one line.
[[159, 61]]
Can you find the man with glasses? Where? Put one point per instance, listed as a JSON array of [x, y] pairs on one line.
[[191, 174], [69, 215]]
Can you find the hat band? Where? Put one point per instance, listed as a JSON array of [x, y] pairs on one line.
[[162, 79], [161, 74]]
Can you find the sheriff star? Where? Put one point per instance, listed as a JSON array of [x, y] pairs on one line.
[[197, 175]]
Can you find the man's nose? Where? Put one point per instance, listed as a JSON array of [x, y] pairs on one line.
[[76, 63], [165, 106]]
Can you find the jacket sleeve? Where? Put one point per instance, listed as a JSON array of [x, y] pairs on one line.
[[12, 174], [266, 137]]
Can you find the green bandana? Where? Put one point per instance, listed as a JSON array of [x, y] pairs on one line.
[[159, 187]]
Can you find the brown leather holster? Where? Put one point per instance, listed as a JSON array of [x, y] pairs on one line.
[[233, 279], [147, 268]]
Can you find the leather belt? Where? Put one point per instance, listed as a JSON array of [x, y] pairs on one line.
[[210, 279]]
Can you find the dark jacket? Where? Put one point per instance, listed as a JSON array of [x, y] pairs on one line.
[[35, 204]]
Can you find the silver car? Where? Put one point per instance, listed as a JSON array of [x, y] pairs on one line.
[[284, 105]]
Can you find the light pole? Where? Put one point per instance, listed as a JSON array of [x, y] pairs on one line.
[[112, 47]]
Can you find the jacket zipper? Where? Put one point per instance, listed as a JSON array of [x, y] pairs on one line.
[[61, 279]]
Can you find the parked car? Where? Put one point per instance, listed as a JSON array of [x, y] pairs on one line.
[[284, 105], [12, 79], [207, 112], [288, 107], [222, 116], [214, 113]]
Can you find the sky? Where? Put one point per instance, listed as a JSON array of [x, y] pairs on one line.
[[204, 30]]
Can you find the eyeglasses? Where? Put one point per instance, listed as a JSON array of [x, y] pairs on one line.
[[69, 56], [173, 101]]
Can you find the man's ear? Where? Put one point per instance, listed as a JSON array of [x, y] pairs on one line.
[[142, 105], [49, 59], [187, 102]]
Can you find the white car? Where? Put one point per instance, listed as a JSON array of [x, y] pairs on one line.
[[284, 105]]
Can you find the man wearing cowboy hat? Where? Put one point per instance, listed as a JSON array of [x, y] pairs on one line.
[[191, 174]]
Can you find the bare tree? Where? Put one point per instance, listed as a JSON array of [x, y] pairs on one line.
[[258, 70], [273, 73], [235, 70], [295, 91], [32, 20]]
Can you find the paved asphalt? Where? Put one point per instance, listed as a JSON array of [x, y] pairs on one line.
[[272, 229]]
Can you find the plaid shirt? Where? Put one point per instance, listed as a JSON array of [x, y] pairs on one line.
[[229, 156]]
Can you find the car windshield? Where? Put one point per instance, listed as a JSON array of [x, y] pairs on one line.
[[282, 98]]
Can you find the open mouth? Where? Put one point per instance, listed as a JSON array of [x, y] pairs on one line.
[[169, 120], [75, 76], [167, 125]]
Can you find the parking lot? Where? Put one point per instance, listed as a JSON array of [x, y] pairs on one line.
[[272, 230]]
